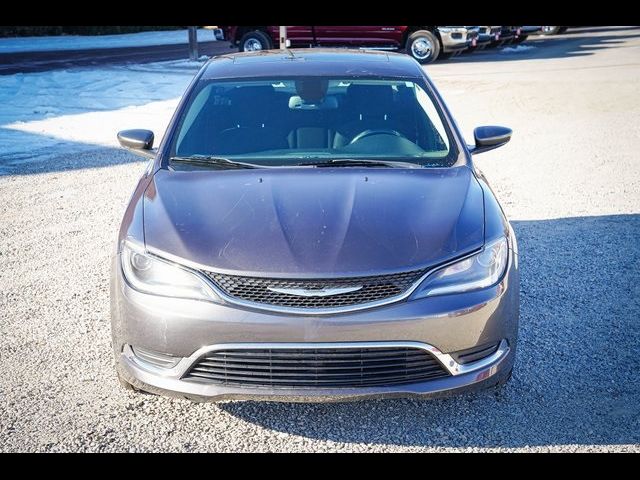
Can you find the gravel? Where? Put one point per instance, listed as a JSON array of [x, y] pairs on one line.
[[570, 183]]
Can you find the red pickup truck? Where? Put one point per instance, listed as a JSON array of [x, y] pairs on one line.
[[424, 43]]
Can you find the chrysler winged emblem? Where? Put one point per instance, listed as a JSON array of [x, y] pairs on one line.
[[315, 292]]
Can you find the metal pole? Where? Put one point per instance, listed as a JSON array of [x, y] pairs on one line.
[[283, 38], [193, 43]]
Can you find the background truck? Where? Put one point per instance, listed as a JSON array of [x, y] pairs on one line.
[[424, 43]]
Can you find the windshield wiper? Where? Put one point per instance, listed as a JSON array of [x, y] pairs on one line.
[[210, 161], [355, 162]]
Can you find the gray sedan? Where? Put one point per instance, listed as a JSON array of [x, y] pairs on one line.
[[312, 227]]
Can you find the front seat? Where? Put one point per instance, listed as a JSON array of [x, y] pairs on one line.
[[370, 107], [253, 117]]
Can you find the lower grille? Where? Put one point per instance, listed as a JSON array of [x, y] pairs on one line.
[[317, 367], [258, 290]]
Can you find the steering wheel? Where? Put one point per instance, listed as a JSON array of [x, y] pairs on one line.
[[370, 132]]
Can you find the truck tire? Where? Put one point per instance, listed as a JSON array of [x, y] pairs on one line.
[[424, 46], [255, 41]]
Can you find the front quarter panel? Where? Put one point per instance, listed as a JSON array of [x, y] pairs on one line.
[[495, 220], [496, 224], [131, 229], [132, 226]]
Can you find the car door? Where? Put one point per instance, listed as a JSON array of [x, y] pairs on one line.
[[361, 35]]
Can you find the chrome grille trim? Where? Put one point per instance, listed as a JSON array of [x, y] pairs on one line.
[[445, 359], [268, 291], [200, 270]]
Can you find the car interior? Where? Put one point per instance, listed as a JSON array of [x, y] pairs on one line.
[[309, 117]]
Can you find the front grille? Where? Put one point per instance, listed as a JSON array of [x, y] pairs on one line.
[[257, 289], [317, 367]]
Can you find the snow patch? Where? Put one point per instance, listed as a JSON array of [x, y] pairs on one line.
[[100, 127], [85, 42], [59, 111], [517, 49]]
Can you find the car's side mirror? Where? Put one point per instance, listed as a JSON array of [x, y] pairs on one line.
[[490, 137], [138, 141]]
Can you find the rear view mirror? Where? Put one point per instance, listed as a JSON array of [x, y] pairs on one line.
[[328, 103], [490, 137], [138, 141]]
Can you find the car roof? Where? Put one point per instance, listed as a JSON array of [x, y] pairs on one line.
[[312, 61]]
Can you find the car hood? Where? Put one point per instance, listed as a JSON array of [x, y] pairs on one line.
[[314, 222]]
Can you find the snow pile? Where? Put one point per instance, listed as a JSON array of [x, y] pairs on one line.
[[517, 49], [84, 42], [68, 110]]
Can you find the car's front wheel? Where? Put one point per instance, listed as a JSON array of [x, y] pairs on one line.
[[124, 384], [255, 41], [504, 380], [424, 46]]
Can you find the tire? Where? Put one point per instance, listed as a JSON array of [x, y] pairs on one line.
[[521, 39], [131, 388], [563, 29], [505, 380], [255, 41], [552, 30], [423, 46], [126, 385]]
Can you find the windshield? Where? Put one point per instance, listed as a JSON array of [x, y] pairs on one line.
[[281, 122]]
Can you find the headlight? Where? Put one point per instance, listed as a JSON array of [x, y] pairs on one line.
[[149, 274], [478, 271]]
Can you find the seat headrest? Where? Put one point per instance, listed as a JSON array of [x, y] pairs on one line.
[[370, 99], [250, 105]]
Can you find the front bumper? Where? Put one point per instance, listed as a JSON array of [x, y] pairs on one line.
[[488, 34], [507, 34], [456, 39], [467, 377], [440, 324]]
